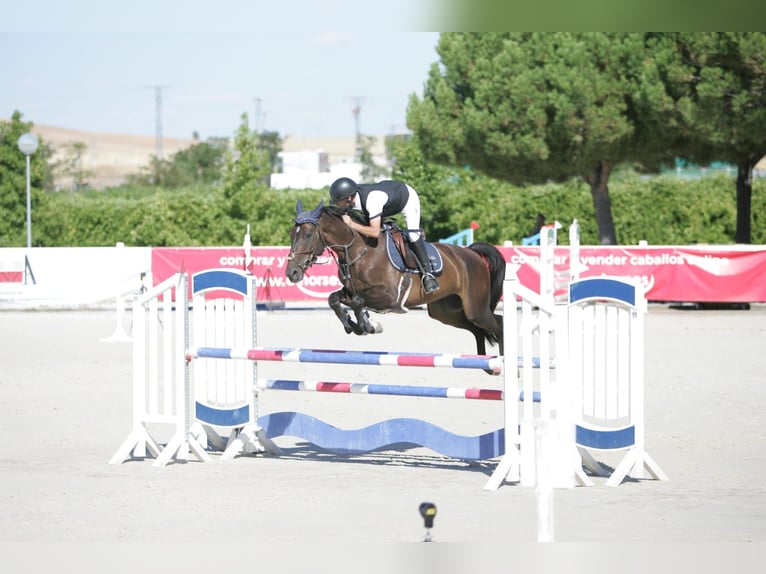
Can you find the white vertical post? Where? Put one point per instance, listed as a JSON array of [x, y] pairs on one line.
[[182, 441], [139, 374], [545, 438], [574, 252], [509, 466], [29, 207], [119, 335]]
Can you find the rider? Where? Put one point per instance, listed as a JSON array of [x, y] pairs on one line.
[[383, 199]]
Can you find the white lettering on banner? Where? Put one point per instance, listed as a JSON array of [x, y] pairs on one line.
[[318, 281], [518, 258], [239, 261], [711, 263], [722, 261], [270, 281], [646, 281], [662, 259], [610, 259], [228, 261]]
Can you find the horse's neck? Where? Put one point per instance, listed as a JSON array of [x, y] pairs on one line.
[[346, 242]]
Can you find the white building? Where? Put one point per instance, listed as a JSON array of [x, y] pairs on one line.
[[311, 170], [311, 163]]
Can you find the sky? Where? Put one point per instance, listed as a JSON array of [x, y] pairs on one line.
[[298, 67]]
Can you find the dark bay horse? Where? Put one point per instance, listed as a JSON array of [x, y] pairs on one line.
[[470, 283]]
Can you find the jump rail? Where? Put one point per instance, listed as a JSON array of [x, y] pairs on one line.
[[382, 358]]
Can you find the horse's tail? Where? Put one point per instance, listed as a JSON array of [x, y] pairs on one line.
[[496, 263]]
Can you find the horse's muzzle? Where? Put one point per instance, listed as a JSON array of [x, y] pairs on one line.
[[293, 271]]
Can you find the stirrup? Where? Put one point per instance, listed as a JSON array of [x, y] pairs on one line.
[[430, 284]]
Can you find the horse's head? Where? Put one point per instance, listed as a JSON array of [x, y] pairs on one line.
[[305, 241]]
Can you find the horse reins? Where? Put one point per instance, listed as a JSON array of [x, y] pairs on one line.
[[343, 266]]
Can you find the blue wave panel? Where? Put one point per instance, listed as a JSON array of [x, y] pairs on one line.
[[605, 439], [219, 279], [602, 288], [222, 417], [383, 434]]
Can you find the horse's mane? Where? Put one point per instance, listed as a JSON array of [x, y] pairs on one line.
[[336, 211]]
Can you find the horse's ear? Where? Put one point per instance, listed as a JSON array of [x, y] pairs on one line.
[[318, 211], [299, 207]]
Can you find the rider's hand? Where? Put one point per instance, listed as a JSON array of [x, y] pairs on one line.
[[346, 219]]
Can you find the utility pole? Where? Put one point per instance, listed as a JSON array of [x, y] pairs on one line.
[[257, 124], [356, 109], [158, 118]]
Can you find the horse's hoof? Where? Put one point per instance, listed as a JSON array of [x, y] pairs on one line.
[[377, 328]]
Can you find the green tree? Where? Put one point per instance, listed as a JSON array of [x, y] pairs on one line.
[[537, 107], [271, 143], [71, 165], [245, 185], [199, 164], [724, 75], [371, 171], [154, 174], [13, 187]]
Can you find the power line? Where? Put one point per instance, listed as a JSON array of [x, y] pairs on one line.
[[158, 118], [257, 119], [356, 110]]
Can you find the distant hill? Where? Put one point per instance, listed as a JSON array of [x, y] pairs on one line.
[[112, 157]]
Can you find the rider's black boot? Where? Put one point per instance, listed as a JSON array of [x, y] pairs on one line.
[[430, 284]]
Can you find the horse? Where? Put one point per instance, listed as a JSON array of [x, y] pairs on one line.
[[470, 284]]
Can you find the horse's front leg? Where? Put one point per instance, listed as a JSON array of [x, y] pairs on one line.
[[362, 325], [336, 300]]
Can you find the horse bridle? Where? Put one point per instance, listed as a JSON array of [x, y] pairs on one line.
[[312, 252], [343, 266]]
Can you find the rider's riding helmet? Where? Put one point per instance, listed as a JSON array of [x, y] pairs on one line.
[[342, 187]]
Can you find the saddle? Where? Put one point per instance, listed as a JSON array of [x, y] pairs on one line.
[[398, 247]]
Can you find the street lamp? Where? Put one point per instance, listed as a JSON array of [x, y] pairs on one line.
[[28, 145]]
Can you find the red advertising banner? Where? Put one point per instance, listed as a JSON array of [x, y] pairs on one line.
[[707, 274], [267, 264], [672, 274]]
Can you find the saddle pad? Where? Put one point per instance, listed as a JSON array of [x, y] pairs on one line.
[[437, 265]]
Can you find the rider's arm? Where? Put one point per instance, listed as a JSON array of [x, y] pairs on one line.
[[371, 230]]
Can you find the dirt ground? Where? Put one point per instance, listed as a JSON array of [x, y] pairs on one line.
[[66, 407]]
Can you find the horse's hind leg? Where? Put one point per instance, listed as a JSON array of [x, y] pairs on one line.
[[450, 312], [480, 315], [500, 335]]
